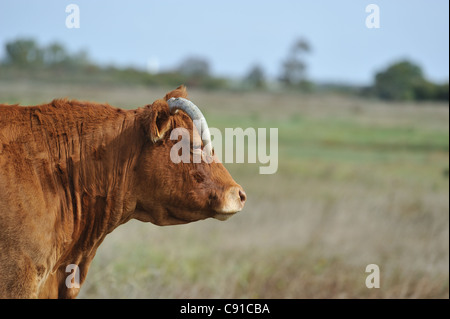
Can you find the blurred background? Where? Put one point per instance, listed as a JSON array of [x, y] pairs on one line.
[[361, 102]]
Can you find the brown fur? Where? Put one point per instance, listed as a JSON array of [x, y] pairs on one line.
[[71, 172]]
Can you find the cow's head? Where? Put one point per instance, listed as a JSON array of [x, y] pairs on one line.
[[175, 193]]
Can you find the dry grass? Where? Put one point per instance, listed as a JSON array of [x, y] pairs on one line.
[[359, 182]]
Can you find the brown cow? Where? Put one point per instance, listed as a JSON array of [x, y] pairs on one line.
[[71, 172]]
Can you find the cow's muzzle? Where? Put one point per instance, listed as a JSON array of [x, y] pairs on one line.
[[233, 201]]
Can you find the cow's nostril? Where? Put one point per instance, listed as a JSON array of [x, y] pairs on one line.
[[242, 195]]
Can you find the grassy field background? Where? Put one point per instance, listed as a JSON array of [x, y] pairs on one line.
[[358, 182]]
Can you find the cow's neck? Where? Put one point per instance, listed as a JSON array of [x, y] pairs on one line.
[[95, 169]]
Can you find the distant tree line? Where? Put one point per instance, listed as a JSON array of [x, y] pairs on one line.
[[293, 74], [404, 80], [24, 58], [26, 54]]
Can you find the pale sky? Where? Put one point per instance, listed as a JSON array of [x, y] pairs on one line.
[[234, 35]]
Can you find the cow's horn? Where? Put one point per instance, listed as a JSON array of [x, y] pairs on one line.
[[197, 117]]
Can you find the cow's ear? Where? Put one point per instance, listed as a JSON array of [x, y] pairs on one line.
[[178, 92], [159, 120]]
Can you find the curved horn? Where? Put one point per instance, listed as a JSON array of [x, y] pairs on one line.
[[197, 117]]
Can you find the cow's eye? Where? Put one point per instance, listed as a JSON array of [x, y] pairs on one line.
[[199, 177]]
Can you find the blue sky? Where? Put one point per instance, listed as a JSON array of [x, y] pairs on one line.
[[234, 35]]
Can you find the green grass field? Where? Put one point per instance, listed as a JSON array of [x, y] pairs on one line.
[[359, 182]]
